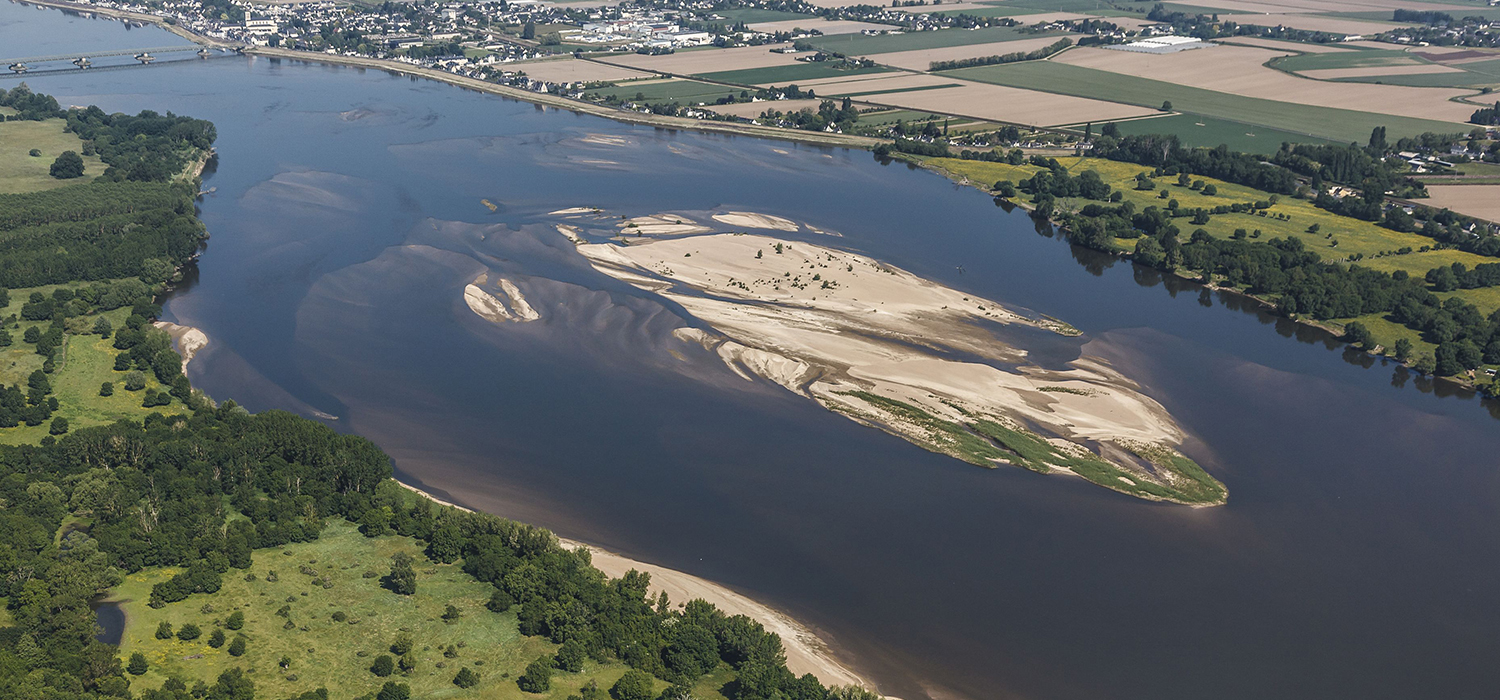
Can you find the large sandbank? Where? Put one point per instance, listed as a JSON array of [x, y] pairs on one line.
[[911, 357]]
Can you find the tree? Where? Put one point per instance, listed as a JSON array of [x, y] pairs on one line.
[[500, 601], [107, 389], [538, 676], [189, 632], [1166, 106], [59, 426], [216, 639], [135, 380], [232, 685], [1377, 140], [407, 663], [403, 578], [570, 656], [1425, 364], [451, 614], [1403, 349], [1357, 334], [384, 666], [403, 644], [103, 327], [466, 678], [394, 691], [137, 664], [67, 166], [235, 620], [164, 630], [237, 647], [529, 31], [35, 153], [634, 685]]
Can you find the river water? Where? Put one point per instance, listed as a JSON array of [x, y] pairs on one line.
[[1356, 558]]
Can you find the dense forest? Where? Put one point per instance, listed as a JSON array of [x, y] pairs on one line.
[[137, 219]]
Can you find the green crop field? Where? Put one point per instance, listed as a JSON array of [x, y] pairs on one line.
[[336, 652], [86, 363], [1087, 7], [893, 91], [860, 45], [1335, 124], [685, 91], [752, 15], [22, 172], [786, 75], [1477, 74], [1197, 130]]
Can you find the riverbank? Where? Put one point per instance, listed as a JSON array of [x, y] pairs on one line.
[[805, 651], [813, 138], [1267, 304]]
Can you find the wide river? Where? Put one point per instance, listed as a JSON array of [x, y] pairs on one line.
[[1357, 557]]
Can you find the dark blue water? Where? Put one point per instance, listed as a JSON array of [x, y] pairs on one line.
[[1355, 559]]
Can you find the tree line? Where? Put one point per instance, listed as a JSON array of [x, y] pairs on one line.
[[1013, 57]]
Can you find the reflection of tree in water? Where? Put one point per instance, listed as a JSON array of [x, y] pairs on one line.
[[1096, 262]]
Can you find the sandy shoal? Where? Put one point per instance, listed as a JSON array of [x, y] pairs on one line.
[[805, 652], [1481, 201], [1238, 70], [751, 110], [1376, 71], [571, 70], [753, 220], [708, 60], [921, 59], [876, 328], [189, 340]]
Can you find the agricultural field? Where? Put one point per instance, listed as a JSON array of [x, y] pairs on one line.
[[84, 364], [1343, 125], [753, 15], [707, 60], [569, 70], [1352, 236], [1479, 201], [994, 103], [786, 75], [22, 172], [1314, 23], [1208, 132], [861, 45], [1239, 70], [922, 59], [332, 623], [681, 91], [826, 27]]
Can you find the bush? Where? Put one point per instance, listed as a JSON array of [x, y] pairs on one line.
[[235, 620], [538, 676], [137, 664], [403, 644], [35, 153], [466, 678], [164, 630], [59, 426], [500, 601], [189, 632], [135, 380], [451, 614], [394, 691], [107, 389], [384, 666], [216, 639], [634, 685], [237, 647]]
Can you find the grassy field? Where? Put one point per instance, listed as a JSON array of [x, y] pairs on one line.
[[1197, 130], [21, 172], [1335, 124], [87, 362], [787, 75], [1344, 59], [325, 652], [861, 45]]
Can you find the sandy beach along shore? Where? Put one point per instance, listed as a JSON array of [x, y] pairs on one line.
[[805, 651]]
